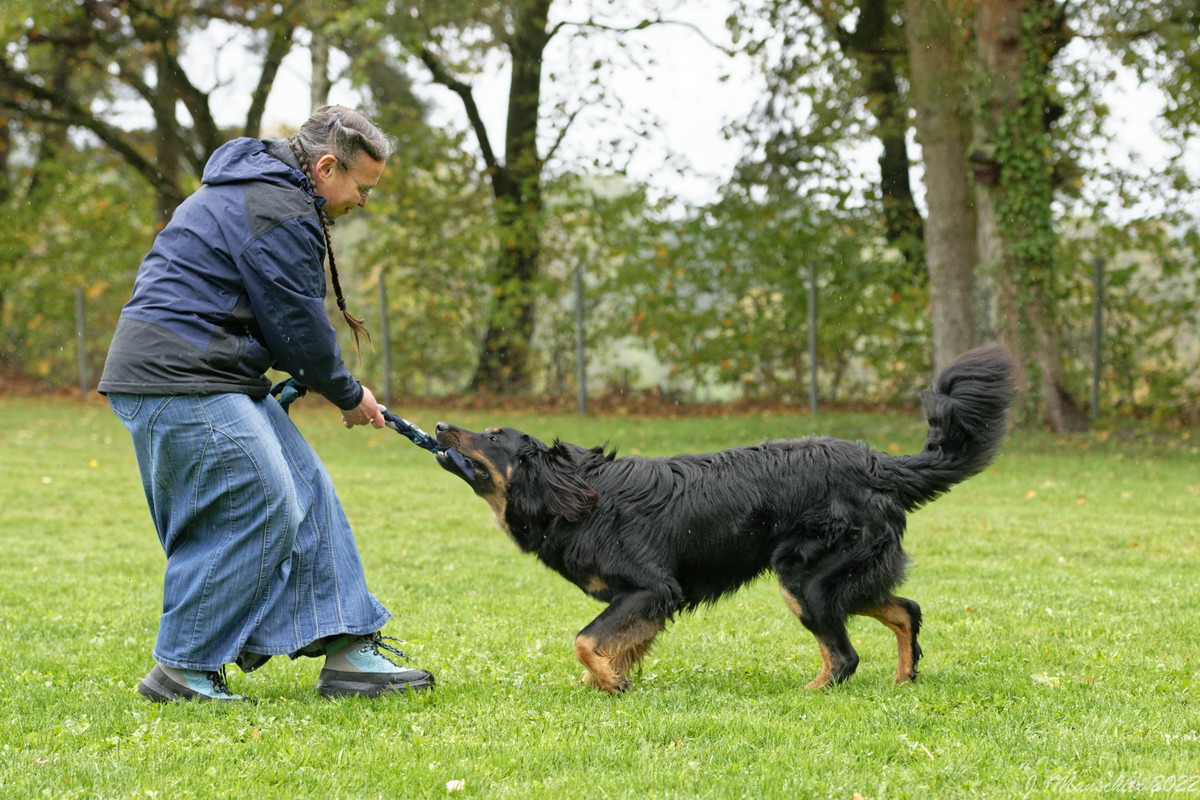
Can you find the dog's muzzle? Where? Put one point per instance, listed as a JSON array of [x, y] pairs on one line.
[[464, 465]]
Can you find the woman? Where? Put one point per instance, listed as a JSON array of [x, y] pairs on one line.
[[260, 557]]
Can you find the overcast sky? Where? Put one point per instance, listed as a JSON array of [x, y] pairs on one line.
[[682, 89]]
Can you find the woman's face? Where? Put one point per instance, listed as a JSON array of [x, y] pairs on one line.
[[345, 185]]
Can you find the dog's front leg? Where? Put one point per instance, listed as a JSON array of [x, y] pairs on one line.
[[615, 641]]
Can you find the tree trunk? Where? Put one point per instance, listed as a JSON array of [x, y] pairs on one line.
[[1016, 40], [938, 70], [167, 153], [5, 149], [872, 45], [320, 69], [279, 43], [504, 361], [5, 188]]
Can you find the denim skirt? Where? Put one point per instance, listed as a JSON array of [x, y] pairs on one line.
[[260, 556]]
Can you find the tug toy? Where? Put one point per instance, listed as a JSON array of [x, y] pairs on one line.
[[291, 390]]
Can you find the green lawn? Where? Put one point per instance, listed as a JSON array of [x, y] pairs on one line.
[[1059, 590]]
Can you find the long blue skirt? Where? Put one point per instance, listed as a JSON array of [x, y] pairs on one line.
[[260, 556]]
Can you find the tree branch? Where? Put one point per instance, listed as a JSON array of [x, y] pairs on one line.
[[74, 114], [205, 129], [280, 44], [442, 76], [646, 23], [562, 134]]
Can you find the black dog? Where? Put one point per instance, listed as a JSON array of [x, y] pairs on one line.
[[654, 536]]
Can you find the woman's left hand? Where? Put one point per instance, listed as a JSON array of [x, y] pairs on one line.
[[367, 412]]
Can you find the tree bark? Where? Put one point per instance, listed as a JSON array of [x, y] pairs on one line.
[[320, 86], [166, 151], [1016, 41], [875, 45], [872, 45], [5, 149], [938, 69], [279, 43], [504, 361]]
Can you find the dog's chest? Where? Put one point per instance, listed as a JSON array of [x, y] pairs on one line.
[[574, 564]]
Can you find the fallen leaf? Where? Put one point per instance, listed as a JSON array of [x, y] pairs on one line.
[[456, 785], [1030, 494], [1045, 680]]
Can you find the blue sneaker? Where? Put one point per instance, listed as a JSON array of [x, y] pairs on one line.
[[354, 667], [167, 684]]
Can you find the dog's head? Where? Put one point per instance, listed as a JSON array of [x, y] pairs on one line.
[[528, 484]]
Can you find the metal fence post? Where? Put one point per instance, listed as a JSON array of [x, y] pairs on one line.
[[1097, 330], [580, 351], [81, 342], [386, 337], [812, 338]]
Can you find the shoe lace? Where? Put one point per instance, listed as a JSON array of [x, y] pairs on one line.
[[219, 681], [377, 641]]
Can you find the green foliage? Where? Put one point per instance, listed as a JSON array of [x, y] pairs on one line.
[[1160, 39], [723, 299], [1059, 637], [1151, 282], [428, 233], [1022, 141], [84, 225], [1139, 221], [703, 302]]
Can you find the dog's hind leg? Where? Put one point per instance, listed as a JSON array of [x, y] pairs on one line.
[[615, 641], [903, 617], [838, 658]]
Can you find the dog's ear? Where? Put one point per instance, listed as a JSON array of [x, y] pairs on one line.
[[546, 486]]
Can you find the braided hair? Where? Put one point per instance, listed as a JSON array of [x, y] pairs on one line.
[[344, 133]]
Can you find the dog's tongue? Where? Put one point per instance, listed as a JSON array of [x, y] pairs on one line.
[[465, 465]]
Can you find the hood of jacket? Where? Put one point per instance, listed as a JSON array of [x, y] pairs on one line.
[[245, 159]]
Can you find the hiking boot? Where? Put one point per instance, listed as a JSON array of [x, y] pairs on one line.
[[166, 684], [354, 667]]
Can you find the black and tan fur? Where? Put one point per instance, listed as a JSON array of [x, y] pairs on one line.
[[654, 536]]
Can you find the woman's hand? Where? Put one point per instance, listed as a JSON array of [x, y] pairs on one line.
[[367, 412]]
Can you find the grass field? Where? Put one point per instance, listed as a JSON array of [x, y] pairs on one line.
[[1061, 614]]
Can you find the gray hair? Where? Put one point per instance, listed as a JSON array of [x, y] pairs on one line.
[[344, 133]]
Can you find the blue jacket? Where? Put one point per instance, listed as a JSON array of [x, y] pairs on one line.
[[234, 285]]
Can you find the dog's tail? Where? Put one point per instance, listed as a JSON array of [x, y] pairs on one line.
[[967, 409]]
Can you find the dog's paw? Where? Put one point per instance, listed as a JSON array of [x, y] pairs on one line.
[[618, 686]]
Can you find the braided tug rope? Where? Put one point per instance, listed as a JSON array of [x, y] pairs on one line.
[[291, 390]]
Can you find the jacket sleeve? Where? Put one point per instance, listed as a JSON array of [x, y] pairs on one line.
[[284, 275]]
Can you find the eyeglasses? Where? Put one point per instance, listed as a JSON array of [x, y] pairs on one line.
[[363, 191]]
